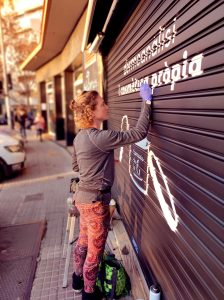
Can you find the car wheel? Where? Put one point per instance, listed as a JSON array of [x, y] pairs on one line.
[[2, 172]]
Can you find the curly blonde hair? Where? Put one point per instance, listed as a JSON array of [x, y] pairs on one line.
[[83, 107]]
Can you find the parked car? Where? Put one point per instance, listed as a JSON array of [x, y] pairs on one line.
[[12, 155]]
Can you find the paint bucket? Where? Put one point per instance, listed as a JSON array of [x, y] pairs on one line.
[[154, 293]]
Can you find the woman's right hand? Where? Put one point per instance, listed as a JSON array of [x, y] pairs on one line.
[[146, 93]]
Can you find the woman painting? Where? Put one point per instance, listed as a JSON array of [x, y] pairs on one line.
[[93, 158]]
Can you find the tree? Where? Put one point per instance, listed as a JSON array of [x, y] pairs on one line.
[[19, 43]]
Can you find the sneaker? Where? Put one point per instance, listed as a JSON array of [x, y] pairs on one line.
[[96, 295], [77, 283]]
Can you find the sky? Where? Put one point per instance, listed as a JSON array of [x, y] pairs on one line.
[[31, 20], [21, 5]]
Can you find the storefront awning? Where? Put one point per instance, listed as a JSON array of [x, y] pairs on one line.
[[59, 21]]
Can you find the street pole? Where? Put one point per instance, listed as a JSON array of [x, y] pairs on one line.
[[5, 79]]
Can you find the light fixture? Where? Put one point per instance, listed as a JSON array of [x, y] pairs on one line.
[[96, 43]]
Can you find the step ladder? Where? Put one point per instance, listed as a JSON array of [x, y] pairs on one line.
[[72, 219]]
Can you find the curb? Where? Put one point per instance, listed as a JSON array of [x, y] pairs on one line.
[[60, 145]]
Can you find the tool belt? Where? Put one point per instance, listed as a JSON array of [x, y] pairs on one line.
[[101, 195], [104, 191]]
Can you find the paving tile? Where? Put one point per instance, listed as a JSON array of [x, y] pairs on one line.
[[61, 295], [46, 285], [70, 294], [45, 291], [36, 292], [45, 297], [38, 280], [52, 291], [53, 297], [55, 278]]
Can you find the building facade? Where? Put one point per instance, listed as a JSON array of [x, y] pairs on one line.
[[57, 62]]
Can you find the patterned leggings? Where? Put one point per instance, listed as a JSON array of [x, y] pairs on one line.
[[94, 225]]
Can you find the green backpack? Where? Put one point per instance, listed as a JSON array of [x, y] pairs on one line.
[[113, 281]]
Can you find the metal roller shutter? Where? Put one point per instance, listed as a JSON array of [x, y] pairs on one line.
[[171, 191]]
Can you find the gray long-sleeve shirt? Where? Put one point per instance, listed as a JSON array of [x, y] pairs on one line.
[[93, 155]]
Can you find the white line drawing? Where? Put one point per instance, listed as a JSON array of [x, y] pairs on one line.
[[135, 160], [171, 217]]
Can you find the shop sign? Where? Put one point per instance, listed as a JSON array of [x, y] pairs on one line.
[[90, 78], [168, 75]]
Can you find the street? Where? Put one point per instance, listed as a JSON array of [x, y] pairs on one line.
[[40, 193]]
